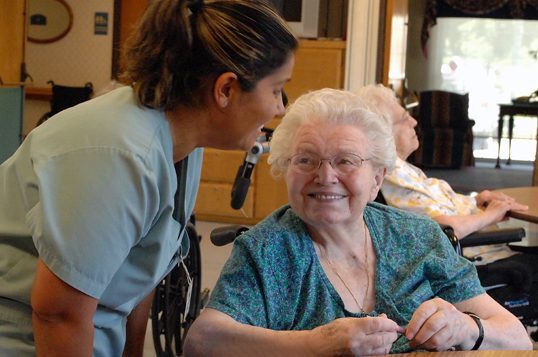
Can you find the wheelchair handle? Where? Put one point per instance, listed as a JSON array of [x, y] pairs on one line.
[[242, 178], [227, 234]]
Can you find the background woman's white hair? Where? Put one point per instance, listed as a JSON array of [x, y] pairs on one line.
[[336, 107], [379, 96]]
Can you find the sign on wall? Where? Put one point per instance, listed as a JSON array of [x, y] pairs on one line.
[[101, 23]]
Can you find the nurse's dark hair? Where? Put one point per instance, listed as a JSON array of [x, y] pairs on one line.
[[182, 46]]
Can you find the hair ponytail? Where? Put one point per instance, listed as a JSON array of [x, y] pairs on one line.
[[182, 46], [195, 5]]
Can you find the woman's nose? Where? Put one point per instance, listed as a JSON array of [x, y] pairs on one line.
[[414, 122], [326, 174], [280, 107]]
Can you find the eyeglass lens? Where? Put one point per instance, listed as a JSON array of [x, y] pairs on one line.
[[405, 118], [343, 163]]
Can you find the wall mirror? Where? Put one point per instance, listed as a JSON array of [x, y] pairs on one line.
[[48, 20]]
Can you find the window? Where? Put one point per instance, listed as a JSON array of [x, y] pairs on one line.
[[494, 61]]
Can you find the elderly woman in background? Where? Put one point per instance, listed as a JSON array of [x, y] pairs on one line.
[[408, 188], [334, 274]]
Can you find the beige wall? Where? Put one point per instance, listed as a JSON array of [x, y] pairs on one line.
[[76, 59]]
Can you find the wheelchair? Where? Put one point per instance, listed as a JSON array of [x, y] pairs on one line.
[[170, 322], [64, 97]]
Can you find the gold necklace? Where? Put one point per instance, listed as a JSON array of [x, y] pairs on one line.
[[367, 269]]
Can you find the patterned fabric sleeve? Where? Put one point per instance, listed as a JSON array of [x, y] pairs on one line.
[[408, 188], [238, 292]]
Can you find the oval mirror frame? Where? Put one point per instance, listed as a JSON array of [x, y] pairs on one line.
[[53, 30]]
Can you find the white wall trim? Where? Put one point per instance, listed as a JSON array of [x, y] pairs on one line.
[[361, 47]]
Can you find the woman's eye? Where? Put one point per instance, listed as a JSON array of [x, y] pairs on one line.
[[277, 92]]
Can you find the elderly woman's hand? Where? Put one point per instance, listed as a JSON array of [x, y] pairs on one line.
[[437, 326], [358, 336], [485, 197], [497, 210]]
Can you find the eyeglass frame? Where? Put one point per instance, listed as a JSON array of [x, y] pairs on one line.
[[294, 167], [407, 117]]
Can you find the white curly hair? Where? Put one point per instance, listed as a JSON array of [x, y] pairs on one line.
[[336, 107]]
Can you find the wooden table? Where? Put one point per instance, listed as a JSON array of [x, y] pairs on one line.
[[512, 109], [469, 354], [527, 196]]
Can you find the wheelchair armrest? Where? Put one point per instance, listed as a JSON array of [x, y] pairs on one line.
[[226, 234], [449, 232], [493, 236]]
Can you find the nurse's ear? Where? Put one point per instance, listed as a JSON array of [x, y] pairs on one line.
[[223, 92], [379, 175]]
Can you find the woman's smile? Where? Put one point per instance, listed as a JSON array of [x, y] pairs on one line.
[[326, 197]]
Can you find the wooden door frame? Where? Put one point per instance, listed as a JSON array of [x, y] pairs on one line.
[[383, 42], [13, 41], [126, 14]]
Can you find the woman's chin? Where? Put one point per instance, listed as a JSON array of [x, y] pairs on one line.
[[326, 219], [249, 142]]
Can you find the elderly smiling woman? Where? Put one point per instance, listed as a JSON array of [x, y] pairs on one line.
[[334, 274]]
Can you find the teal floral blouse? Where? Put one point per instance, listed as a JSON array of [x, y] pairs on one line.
[[273, 278]]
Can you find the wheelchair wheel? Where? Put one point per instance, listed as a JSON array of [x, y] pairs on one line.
[[169, 322]]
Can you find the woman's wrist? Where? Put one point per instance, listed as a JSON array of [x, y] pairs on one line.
[[314, 345], [477, 337], [482, 199]]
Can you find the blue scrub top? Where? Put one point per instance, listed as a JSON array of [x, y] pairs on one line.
[[91, 191]]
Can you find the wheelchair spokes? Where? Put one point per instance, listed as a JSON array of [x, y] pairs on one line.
[[169, 322]]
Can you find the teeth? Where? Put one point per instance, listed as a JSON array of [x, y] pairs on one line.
[[324, 197]]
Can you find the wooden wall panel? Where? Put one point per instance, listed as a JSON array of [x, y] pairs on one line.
[[221, 166], [213, 201], [318, 64], [12, 39], [270, 193]]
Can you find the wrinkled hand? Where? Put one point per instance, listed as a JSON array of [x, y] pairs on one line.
[[484, 198], [360, 336], [498, 209], [436, 326]]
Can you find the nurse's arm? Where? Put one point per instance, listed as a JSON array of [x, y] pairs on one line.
[[62, 316], [137, 323]]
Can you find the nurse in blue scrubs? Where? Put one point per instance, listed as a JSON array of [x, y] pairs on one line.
[[86, 226]]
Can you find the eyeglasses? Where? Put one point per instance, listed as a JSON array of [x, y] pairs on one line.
[[344, 163], [406, 117]]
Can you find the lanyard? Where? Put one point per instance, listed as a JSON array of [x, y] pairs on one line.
[[179, 216], [179, 198]]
